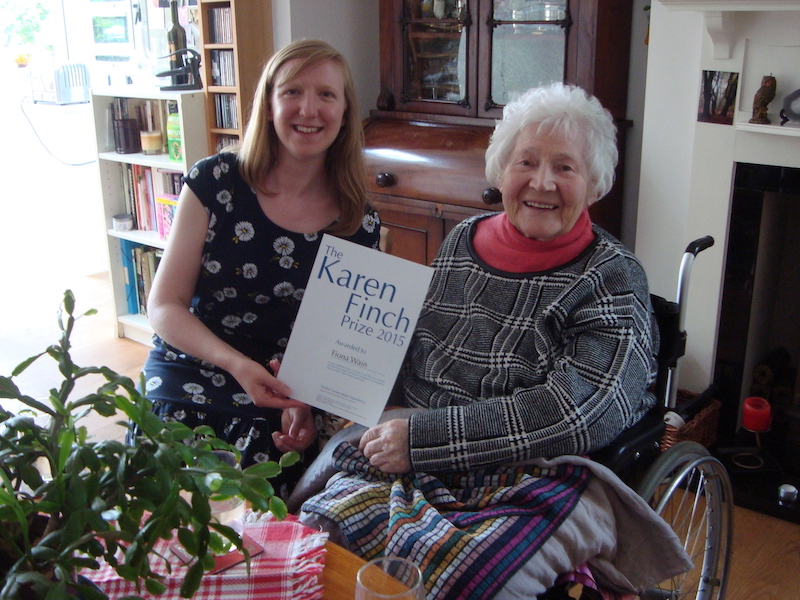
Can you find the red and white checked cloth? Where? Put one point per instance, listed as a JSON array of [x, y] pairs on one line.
[[289, 568]]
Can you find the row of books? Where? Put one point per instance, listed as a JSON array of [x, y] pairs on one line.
[[226, 110], [226, 141], [223, 70], [219, 25], [141, 263], [150, 115], [151, 197]]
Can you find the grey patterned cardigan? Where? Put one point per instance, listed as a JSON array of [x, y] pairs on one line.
[[528, 365]]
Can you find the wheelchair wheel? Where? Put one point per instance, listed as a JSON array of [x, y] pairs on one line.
[[691, 491]]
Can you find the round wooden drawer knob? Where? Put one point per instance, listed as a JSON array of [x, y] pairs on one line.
[[383, 180]]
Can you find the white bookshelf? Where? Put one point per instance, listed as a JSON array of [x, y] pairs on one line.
[[110, 164]]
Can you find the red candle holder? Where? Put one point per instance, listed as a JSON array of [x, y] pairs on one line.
[[756, 414]]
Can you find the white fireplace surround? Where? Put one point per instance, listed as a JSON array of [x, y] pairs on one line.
[[687, 166]]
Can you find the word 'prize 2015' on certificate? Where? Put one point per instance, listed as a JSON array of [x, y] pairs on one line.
[[353, 329]]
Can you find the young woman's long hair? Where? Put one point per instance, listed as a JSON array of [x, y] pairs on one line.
[[345, 159]]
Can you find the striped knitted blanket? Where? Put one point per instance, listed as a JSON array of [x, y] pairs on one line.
[[468, 532]]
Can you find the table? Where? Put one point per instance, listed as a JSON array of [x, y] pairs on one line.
[[339, 575]]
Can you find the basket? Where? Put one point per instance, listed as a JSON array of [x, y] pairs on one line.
[[702, 428]]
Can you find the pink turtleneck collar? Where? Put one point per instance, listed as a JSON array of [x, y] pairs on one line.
[[502, 246]]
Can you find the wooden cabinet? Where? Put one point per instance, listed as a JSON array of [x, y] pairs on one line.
[[236, 44], [447, 69], [424, 178]]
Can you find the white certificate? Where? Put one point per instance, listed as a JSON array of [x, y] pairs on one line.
[[353, 329]]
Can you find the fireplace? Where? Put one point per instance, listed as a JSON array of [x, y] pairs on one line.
[[758, 344], [739, 183]]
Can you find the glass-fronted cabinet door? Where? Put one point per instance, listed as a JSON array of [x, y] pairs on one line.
[[437, 73], [527, 41], [469, 57]]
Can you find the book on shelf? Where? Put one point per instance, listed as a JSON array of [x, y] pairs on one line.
[[219, 25], [146, 191], [166, 204], [226, 141], [226, 111], [145, 261], [223, 71]]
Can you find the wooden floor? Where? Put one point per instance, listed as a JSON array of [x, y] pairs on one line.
[[766, 551]]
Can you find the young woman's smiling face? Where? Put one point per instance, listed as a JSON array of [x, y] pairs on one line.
[[308, 109], [545, 184]]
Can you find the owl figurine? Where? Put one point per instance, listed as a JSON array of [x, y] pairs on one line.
[[763, 97]]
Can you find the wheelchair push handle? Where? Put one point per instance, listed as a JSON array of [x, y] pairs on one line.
[[700, 244]]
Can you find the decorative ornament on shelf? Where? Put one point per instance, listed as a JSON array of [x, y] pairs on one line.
[[791, 108], [763, 97]]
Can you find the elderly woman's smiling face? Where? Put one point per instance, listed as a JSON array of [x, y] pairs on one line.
[[545, 184]]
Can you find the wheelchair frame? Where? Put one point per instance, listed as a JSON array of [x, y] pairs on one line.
[[685, 485]]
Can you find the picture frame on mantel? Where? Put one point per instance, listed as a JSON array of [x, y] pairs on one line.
[[717, 101]]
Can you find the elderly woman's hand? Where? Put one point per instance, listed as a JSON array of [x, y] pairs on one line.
[[386, 446]]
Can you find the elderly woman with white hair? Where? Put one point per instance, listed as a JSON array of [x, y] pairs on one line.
[[536, 344]]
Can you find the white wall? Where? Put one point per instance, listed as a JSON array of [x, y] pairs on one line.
[[351, 26]]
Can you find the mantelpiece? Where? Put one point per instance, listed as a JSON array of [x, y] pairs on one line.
[[720, 18]]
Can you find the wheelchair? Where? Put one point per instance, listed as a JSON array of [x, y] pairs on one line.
[[685, 485], [688, 487]]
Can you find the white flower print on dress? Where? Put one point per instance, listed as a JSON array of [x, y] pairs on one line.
[[249, 271], [369, 222], [241, 399], [262, 299], [206, 373], [283, 245], [244, 231], [169, 355], [311, 237], [229, 292], [249, 317], [193, 388], [194, 172], [299, 293], [200, 399], [260, 457], [152, 384], [287, 262], [219, 296], [218, 379], [213, 266], [231, 321], [180, 415], [242, 443], [224, 197], [283, 290]]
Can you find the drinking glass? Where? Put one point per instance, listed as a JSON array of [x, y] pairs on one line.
[[228, 512], [391, 578]]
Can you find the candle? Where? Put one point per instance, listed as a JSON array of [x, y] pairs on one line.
[[151, 142], [756, 414]]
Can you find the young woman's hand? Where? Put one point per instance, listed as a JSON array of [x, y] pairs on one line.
[[386, 446], [262, 386]]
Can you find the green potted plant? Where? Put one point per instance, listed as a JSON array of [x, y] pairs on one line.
[[68, 501]]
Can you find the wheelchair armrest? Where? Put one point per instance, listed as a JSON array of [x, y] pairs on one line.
[[633, 445]]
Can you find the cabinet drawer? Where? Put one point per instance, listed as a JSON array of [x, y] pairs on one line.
[[427, 161]]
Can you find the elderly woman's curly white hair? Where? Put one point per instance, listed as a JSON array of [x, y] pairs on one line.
[[563, 110]]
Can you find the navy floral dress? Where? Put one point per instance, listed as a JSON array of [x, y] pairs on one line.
[[248, 293]]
